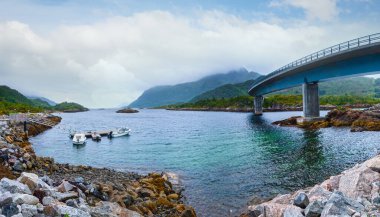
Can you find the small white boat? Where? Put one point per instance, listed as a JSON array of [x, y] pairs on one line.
[[79, 139], [96, 136], [119, 132]]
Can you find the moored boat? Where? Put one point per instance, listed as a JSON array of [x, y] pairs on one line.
[[96, 136], [119, 132], [79, 139]]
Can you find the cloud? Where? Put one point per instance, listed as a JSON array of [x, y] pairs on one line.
[[324, 10], [110, 62]]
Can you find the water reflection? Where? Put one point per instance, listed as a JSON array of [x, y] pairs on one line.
[[296, 155]]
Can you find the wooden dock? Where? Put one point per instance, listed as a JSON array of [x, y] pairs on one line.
[[88, 134]]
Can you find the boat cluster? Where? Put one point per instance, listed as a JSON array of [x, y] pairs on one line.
[[80, 138]]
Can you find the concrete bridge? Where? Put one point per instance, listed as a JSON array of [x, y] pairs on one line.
[[356, 57]]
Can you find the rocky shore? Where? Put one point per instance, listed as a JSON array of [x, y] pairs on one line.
[[357, 120], [270, 109], [37, 186], [354, 192]]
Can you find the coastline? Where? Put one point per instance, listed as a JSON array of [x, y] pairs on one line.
[[275, 109], [97, 188]]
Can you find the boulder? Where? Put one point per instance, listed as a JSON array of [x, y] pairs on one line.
[[270, 209], [14, 186], [65, 186], [105, 209], [25, 199], [293, 211], [318, 193], [48, 201], [65, 196], [63, 210], [301, 200], [5, 199], [29, 179], [10, 209], [28, 210], [374, 164], [357, 182], [339, 205], [314, 209]]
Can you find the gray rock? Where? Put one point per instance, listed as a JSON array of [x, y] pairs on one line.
[[10, 209], [18, 166], [65, 186], [314, 209], [339, 205], [28, 210], [29, 179], [25, 199], [5, 199], [48, 200], [79, 179], [293, 211], [47, 180], [71, 211], [65, 196], [72, 203], [301, 200], [105, 208], [14, 186]]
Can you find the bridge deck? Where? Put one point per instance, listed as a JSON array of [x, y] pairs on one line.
[[324, 65]]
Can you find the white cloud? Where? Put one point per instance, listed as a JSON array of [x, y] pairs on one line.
[[324, 10], [107, 63]]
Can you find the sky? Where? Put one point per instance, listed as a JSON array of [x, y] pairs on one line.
[[105, 53]]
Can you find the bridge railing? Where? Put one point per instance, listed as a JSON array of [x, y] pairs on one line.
[[348, 45]]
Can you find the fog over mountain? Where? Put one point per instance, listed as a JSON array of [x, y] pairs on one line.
[[103, 54]]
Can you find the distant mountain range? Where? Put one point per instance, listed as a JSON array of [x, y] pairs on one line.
[[43, 99], [358, 86], [181, 93]]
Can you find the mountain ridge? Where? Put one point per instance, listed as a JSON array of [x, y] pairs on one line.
[[184, 92]]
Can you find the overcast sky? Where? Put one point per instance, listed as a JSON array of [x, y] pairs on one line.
[[106, 53]]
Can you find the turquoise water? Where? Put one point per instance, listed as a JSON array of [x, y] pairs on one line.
[[223, 159]]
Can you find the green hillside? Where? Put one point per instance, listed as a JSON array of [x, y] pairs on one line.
[[69, 107], [12, 101], [180, 93], [8, 94], [360, 86], [226, 91]]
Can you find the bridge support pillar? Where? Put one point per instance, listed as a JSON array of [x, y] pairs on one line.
[[310, 100], [258, 105]]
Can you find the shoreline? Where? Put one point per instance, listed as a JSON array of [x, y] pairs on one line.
[[247, 110], [99, 188]]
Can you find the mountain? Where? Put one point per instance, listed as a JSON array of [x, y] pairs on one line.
[[42, 100], [180, 93], [359, 86], [13, 101], [226, 91], [8, 94]]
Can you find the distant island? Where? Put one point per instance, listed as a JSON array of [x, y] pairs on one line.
[[12, 101], [127, 110]]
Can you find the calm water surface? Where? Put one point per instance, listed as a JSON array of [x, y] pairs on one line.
[[223, 159]]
